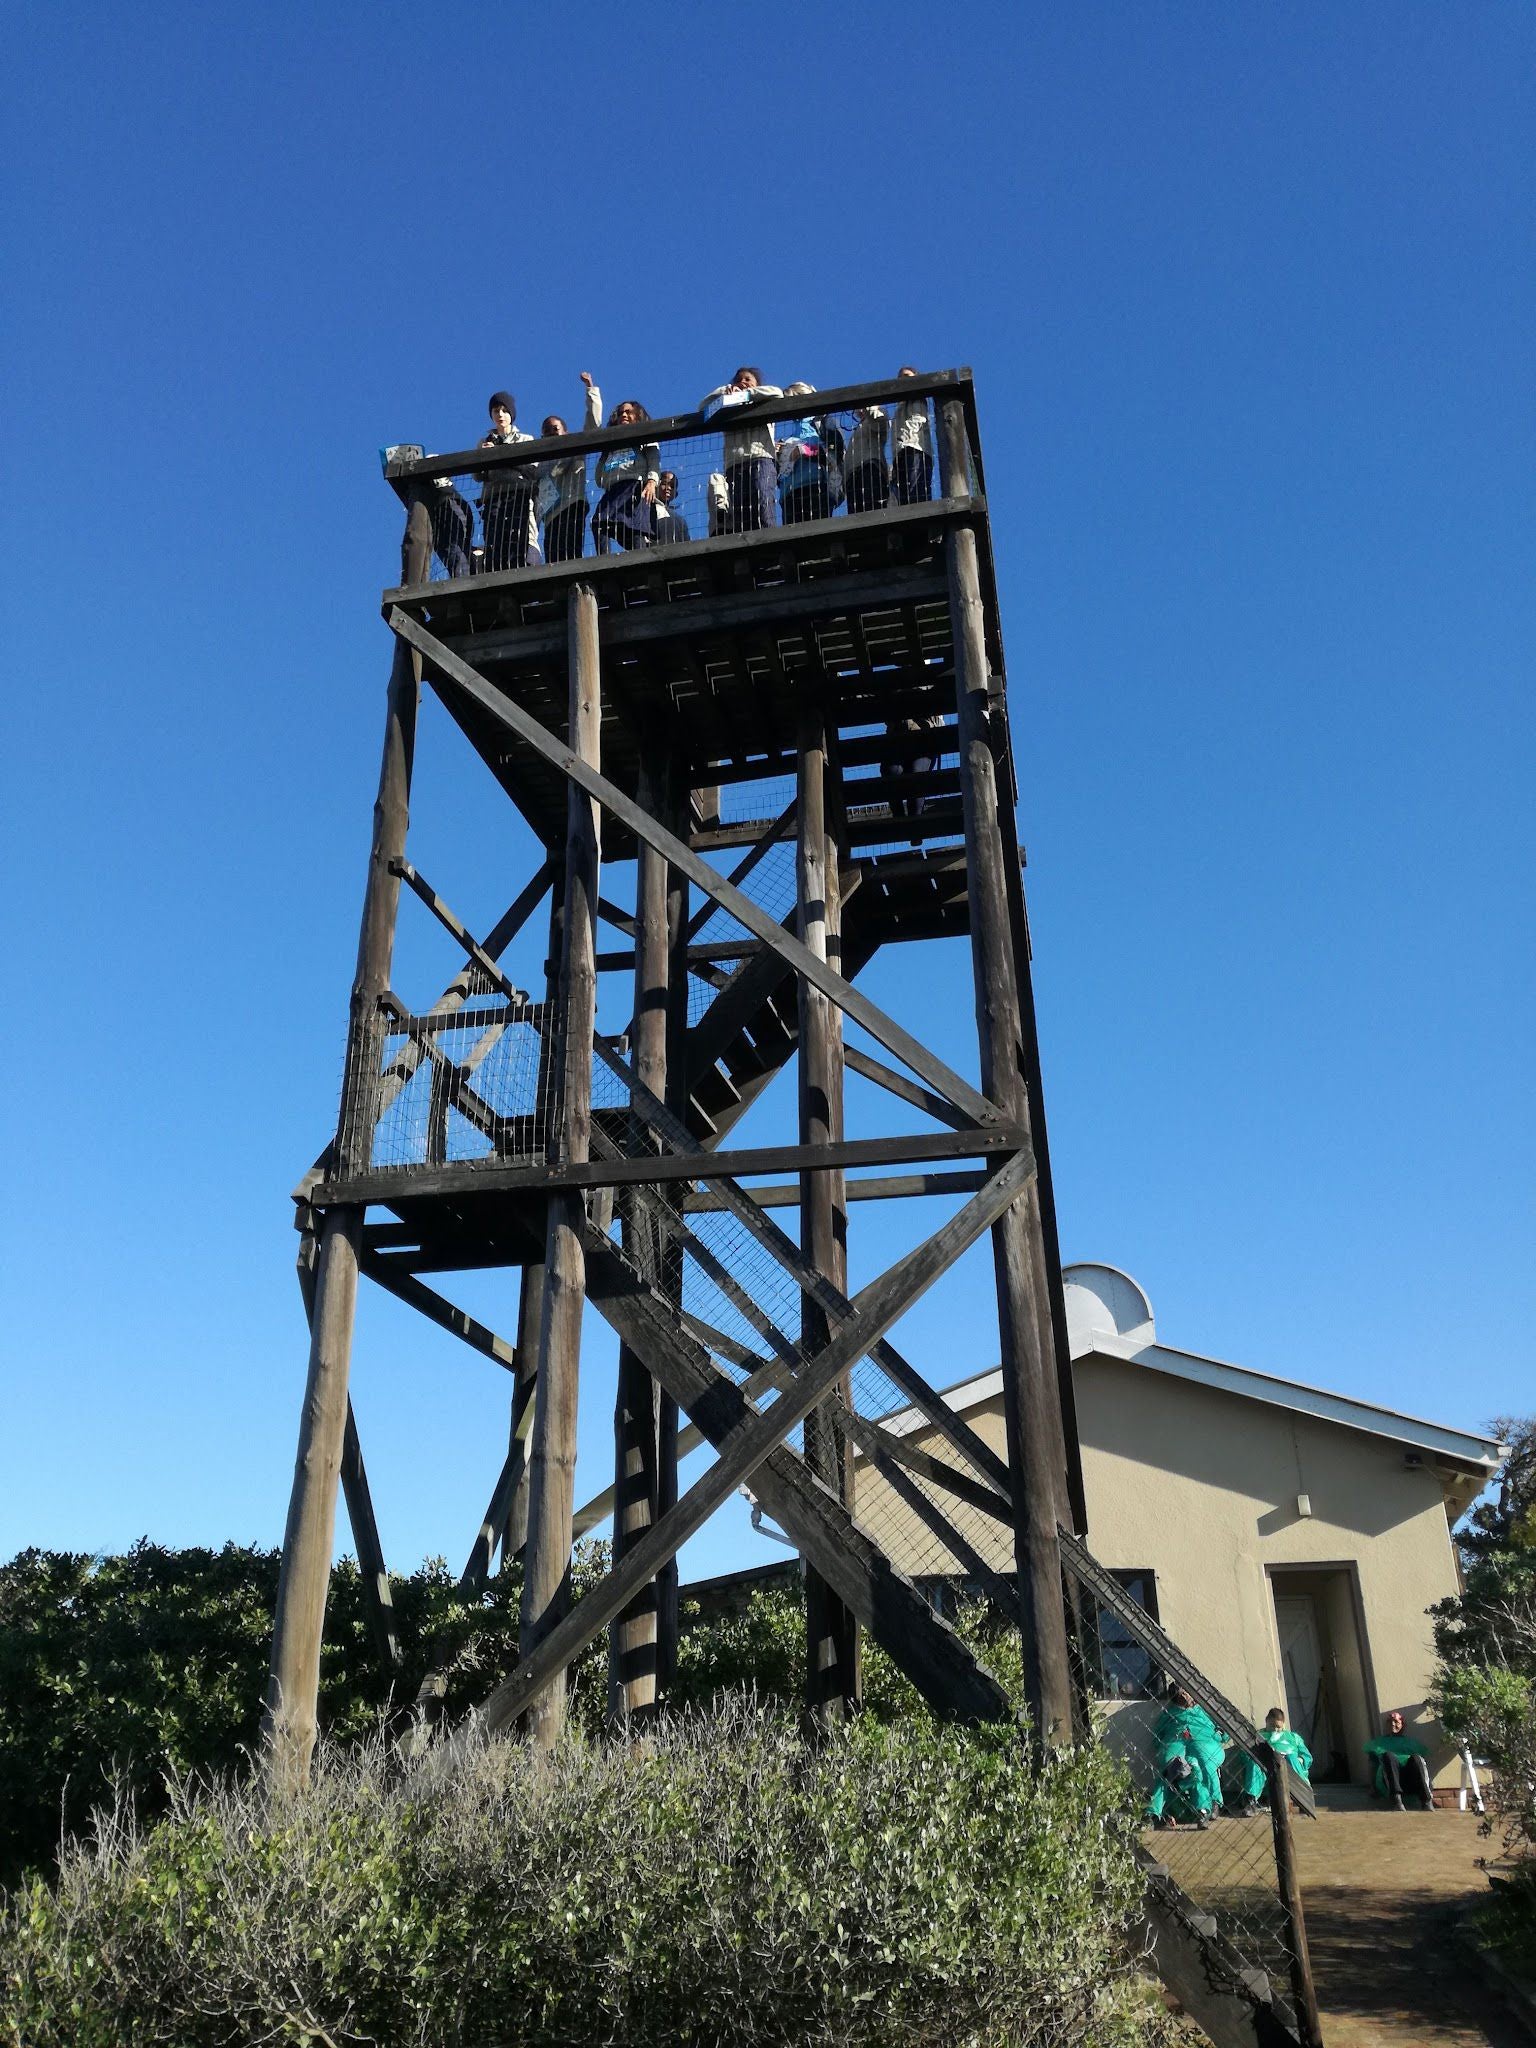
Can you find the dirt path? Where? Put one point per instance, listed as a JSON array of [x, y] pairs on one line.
[[1383, 1891]]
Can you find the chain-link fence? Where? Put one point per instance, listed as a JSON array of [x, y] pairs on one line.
[[1204, 1781]]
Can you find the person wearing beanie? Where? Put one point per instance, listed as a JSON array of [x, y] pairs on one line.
[[506, 495]]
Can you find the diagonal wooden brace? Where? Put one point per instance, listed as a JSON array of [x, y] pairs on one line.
[[748, 1438], [455, 670]]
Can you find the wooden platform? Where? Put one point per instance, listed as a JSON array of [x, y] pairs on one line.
[[721, 640]]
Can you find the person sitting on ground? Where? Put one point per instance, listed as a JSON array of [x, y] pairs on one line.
[[563, 485], [912, 457], [1250, 1781], [506, 495], [1400, 1760], [810, 463], [626, 512], [1288, 1743], [749, 467], [1186, 1788], [671, 526]]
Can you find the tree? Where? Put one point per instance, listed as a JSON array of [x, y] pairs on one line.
[[119, 1672]]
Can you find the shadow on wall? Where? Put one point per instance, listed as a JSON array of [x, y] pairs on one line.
[[1237, 1446]]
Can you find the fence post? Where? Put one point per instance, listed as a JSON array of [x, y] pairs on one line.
[[1309, 2026]]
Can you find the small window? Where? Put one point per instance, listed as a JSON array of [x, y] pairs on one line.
[[1120, 1669]]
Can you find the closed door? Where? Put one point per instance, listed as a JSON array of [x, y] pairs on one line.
[[1301, 1662]]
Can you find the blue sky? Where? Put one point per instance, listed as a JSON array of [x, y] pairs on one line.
[[1248, 293]]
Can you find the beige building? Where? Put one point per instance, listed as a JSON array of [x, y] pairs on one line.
[[1288, 1539]]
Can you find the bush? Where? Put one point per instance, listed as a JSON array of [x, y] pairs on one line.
[[717, 1882], [124, 1670]]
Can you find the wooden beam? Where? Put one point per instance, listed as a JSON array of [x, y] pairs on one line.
[[377, 1598], [833, 1683], [289, 1720], [632, 1655], [899, 1085], [899, 1370], [785, 1194], [753, 858], [552, 1465], [381, 1267], [797, 957], [490, 1177], [745, 1438], [452, 923], [1030, 1399]]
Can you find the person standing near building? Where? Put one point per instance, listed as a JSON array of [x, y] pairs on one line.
[[749, 469]]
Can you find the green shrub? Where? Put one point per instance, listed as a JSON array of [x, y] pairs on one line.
[[121, 1671], [716, 1882]]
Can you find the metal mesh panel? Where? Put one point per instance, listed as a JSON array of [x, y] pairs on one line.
[[669, 485], [1216, 1841]]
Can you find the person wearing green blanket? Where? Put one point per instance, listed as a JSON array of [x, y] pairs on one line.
[[1188, 1752], [1399, 1758], [1251, 1777]]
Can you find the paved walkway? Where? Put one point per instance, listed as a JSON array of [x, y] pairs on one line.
[[1382, 1893]]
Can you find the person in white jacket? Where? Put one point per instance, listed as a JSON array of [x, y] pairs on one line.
[[912, 452], [563, 485], [749, 468], [626, 512]]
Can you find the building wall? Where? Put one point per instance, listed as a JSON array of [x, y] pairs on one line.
[[1201, 1487]]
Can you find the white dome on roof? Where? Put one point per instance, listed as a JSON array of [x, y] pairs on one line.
[[1104, 1302]]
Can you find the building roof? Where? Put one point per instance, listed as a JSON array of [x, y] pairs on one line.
[[1109, 1316]]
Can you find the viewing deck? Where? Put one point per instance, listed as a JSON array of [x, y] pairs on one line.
[[723, 637]]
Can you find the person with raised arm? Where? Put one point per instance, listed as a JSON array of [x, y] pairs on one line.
[[626, 512], [562, 491], [506, 495], [749, 470]]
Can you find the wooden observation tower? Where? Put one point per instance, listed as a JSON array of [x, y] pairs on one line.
[[762, 743], [758, 756]]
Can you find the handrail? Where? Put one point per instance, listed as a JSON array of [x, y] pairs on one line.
[[409, 470]]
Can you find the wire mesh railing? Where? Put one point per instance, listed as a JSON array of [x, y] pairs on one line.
[[753, 456], [1204, 1781]]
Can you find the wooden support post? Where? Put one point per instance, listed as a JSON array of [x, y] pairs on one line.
[[632, 1644], [832, 1680], [1309, 2025], [1031, 1402], [669, 1446], [551, 1495], [289, 1722], [355, 1489], [525, 1394]]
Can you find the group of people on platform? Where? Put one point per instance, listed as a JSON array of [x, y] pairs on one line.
[[769, 473], [1202, 1773]]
